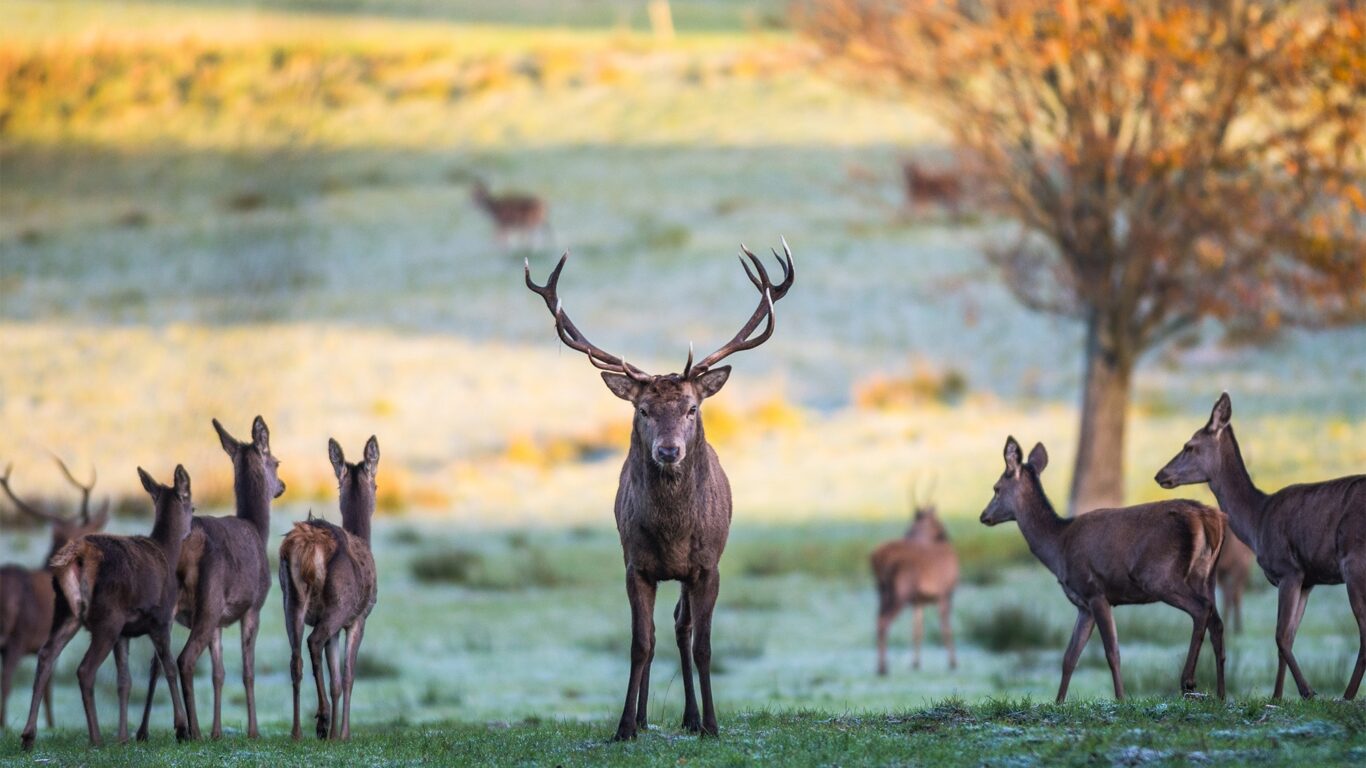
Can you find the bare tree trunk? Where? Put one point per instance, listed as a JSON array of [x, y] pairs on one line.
[[1098, 478]]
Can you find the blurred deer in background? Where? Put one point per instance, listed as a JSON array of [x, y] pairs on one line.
[[512, 214], [1304, 535], [27, 596], [1232, 572], [118, 587], [919, 569], [1161, 552], [930, 187], [224, 577], [327, 576], [673, 504]]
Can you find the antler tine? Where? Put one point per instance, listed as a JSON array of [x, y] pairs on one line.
[[23, 506], [569, 333], [763, 314], [84, 489]]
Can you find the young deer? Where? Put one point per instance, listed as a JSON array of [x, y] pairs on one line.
[[118, 587], [27, 596], [224, 577], [1232, 573], [1304, 535], [327, 575], [1160, 552], [673, 504], [511, 213], [918, 569]]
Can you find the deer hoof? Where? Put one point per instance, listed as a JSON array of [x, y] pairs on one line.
[[710, 729], [625, 733], [182, 733], [142, 734], [26, 740], [323, 725], [692, 723]]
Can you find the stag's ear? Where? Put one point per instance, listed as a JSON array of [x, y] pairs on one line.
[[260, 433], [1220, 416], [1012, 454], [1038, 458], [334, 452], [371, 455], [624, 387], [182, 482], [148, 484], [711, 382], [230, 444]]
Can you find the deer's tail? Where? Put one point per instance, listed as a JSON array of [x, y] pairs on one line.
[[1207, 541], [307, 549], [75, 567]]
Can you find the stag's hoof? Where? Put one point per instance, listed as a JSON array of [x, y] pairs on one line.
[[625, 733], [26, 740], [297, 734], [710, 729], [182, 733]]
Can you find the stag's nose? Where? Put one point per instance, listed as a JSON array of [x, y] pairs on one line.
[[668, 454]]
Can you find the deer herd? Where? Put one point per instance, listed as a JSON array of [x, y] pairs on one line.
[[673, 514]]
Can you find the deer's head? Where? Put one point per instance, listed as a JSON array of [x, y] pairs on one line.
[[1203, 454], [172, 504], [926, 526], [1018, 485], [356, 482], [668, 417], [253, 462]]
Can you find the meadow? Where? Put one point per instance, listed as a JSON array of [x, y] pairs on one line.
[[215, 212]]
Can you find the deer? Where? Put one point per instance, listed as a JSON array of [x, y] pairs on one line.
[[1303, 535], [1232, 573], [224, 577], [1162, 551], [673, 502], [118, 587], [922, 185], [919, 569], [26, 595], [512, 213], [328, 578]]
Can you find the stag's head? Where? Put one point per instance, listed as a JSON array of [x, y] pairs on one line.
[[925, 523], [668, 417], [1203, 454], [172, 504], [1018, 484], [356, 481], [253, 462], [64, 528]]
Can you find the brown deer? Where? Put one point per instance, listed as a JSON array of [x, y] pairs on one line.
[[1161, 552], [327, 576], [919, 569], [512, 213], [1232, 573], [1304, 535], [673, 504], [926, 186], [118, 587], [224, 578], [27, 596]]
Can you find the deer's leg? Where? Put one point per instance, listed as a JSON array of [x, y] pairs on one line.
[[1356, 595], [917, 633], [692, 719], [201, 636], [323, 632], [643, 698], [64, 628], [334, 683], [946, 630], [9, 660], [47, 704], [251, 623], [161, 643], [703, 599], [151, 691], [887, 609], [216, 657], [1290, 610], [294, 628], [1199, 608], [1105, 621], [354, 635], [125, 685], [101, 643], [1081, 632], [640, 592]]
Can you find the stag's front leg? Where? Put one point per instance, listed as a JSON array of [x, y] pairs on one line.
[[640, 591], [692, 719], [917, 633], [703, 598], [1081, 632], [1289, 612]]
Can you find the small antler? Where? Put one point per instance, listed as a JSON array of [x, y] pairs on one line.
[[570, 334], [768, 295], [84, 489], [23, 506]]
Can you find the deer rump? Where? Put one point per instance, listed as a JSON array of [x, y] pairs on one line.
[[315, 559], [98, 570], [1129, 551], [230, 549]]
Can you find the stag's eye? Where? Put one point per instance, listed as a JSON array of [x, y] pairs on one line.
[[644, 412], [692, 411]]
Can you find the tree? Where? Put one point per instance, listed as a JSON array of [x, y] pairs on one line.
[[1169, 162]]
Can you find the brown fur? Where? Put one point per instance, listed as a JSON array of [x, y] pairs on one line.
[[919, 569], [1303, 536], [1161, 552], [511, 213], [926, 186]]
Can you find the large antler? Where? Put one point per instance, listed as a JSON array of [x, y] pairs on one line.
[[768, 295], [85, 489], [23, 506], [570, 334]]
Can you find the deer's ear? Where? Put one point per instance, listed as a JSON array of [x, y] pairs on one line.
[[182, 482], [1038, 458], [230, 444], [148, 484], [260, 433], [334, 453], [711, 382], [624, 387], [1221, 415], [1012, 455], [372, 454]]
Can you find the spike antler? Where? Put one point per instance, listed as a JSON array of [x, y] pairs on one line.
[[23, 506], [85, 489], [769, 295], [570, 334]]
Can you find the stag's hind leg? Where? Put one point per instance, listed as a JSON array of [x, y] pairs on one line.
[[887, 609], [692, 720]]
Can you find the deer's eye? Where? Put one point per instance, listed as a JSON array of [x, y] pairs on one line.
[[644, 412], [692, 411]]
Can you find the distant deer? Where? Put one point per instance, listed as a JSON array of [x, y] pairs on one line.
[[673, 504], [1162, 552], [918, 569], [927, 186], [224, 577], [27, 596], [327, 575], [1304, 535], [1232, 572], [118, 587], [512, 213]]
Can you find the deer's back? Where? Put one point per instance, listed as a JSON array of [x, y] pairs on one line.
[[915, 570], [516, 210], [1310, 528], [222, 556], [672, 533], [1133, 555]]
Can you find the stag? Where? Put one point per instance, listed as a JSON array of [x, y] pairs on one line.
[[327, 575], [511, 213], [673, 503], [918, 569], [1304, 535], [118, 587], [1160, 552], [224, 577], [26, 595]]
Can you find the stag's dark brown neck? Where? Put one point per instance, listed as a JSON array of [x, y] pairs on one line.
[[671, 493], [1238, 497], [253, 499], [1041, 526], [357, 509]]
